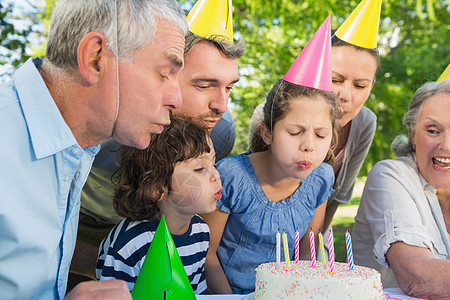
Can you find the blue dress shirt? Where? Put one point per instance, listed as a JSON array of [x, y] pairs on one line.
[[41, 175]]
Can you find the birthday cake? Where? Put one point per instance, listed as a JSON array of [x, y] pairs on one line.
[[302, 281]]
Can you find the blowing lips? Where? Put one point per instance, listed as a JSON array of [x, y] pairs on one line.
[[441, 163], [163, 122], [162, 126], [304, 164], [218, 195]]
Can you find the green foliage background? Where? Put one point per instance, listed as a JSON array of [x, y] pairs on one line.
[[413, 41], [276, 32]]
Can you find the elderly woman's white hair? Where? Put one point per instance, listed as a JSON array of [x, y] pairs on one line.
[[133, 22], [402, 145]]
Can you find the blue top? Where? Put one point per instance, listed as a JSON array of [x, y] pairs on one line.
[[223, 135], [124, 250], [249, 235], [42, 171]]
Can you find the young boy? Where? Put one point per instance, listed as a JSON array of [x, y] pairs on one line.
[[175, 177]]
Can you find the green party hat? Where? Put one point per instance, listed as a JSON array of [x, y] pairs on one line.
[[162, 275]]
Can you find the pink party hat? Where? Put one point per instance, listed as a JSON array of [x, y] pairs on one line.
[[312, 68]]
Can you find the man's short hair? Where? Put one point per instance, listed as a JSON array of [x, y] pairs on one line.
[[230, 50], [131, 24]]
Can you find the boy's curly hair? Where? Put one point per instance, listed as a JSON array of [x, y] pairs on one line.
[[144, 176]]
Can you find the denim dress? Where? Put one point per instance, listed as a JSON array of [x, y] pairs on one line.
[[249, 236]]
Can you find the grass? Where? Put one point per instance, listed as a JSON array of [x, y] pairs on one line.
[[340, 224]]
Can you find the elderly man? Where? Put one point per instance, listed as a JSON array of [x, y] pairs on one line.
[[111, 69], [210, 72]]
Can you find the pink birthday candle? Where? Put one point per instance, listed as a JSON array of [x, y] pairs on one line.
[[331, 251], [297, 243], [312, 247]]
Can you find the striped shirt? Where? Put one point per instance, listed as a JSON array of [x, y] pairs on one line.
[[123, 251]]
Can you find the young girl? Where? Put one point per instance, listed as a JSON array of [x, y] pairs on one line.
[[355, 61], [175, 177], [277, 188]]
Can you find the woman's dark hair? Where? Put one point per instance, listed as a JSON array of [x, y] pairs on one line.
[[144, 176], [337, 42], [278, 105]]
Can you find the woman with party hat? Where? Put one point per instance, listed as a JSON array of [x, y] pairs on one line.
[[281, 185], [355, 61]]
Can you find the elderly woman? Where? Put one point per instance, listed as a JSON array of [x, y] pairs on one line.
[[403, 222]]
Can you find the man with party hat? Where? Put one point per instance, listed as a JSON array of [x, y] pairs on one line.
[[355, 61], [209, 74]]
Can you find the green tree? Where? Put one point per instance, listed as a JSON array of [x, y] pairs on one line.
[[44, 13], [413, 42]]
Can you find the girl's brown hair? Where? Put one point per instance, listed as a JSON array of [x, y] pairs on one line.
[[278, 105], [144, 176]]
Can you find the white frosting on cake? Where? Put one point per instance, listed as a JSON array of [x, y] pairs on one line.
[[305, 282]]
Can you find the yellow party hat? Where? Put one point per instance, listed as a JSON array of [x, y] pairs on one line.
[[361, 27], [210, 18], [445, 75]]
